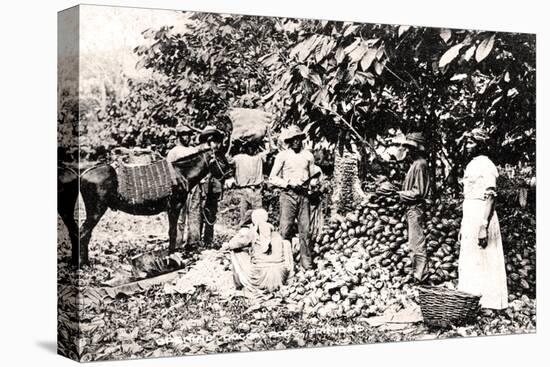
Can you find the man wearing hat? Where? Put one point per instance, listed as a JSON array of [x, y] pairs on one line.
[[211, 188], [212, 137], [291, 169], [183, 148], [184, 135], [416, 188]]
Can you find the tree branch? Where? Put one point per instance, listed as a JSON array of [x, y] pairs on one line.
[[350, 127], [413, 81], [394, 74]]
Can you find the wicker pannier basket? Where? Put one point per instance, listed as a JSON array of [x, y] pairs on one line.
[[443, 307]]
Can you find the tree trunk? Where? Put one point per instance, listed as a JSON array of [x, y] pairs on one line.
[[431, 147], [347, 186]]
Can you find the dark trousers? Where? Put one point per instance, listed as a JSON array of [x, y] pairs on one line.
[[417, 242], [296, 207], [208, 217]]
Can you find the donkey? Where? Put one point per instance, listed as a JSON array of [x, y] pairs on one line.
[[98, 187]]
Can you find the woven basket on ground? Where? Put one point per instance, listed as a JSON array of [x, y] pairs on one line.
[[443, 307]]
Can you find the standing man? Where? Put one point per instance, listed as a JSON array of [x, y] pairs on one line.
[[211, 188], [183, 148], [416, 188], [292, 168], [249, 177]]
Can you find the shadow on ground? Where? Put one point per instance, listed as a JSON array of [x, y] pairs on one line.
[[49, 346]]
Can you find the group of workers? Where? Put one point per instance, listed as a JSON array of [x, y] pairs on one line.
[[262, 257]]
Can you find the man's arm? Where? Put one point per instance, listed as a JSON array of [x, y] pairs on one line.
[[274, 176], [268, 148], [232, 160], [311, 166], [264, 154], [242, 239]]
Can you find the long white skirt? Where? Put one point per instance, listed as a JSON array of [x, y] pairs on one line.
[[482, 271], [267, 273]]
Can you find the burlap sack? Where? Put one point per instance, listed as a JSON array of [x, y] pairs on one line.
[[249, 124]]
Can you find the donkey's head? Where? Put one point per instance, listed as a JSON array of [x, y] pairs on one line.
[[218, 165]]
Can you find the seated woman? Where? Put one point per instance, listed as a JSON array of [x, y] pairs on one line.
[[268, 263]]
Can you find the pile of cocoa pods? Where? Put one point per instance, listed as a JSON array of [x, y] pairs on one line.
[[363, 264]]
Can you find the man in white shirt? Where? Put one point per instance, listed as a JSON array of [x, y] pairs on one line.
[[291, 169], [249, 177]]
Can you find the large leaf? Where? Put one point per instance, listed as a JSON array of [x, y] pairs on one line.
[[315, 79], [507, 77], [320, 97], [326, 48], [458, 77], [358, 53], [270, 61], [402, 29], [303, 70], [450, 55], [379, 67], [141, 64], [340, 55], [373, 41], [485, 48], [380, 52], [350, 72], [445, 34], [367, 60], [469, 53], [349, 49], [368, 77], [304, 48], [350, 29], [306, 52]]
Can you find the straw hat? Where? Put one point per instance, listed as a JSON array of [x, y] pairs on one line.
[[182, 129], [210, 131], [293, 132]]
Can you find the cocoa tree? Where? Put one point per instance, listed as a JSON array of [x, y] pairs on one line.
[[213, 66], [353, 84], [357, 82]]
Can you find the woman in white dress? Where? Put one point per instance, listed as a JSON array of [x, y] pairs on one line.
[[481, 268]]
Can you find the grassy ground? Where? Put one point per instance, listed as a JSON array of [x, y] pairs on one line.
[[210, 316]]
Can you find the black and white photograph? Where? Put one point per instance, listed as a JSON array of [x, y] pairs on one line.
[[234, 183]]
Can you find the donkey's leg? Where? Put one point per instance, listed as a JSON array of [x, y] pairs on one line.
[[66, 201], [95, 194], [174, 209], [67, 215], [93, 216]]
